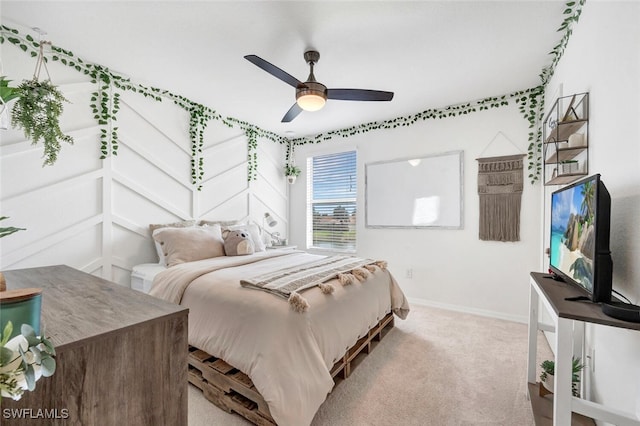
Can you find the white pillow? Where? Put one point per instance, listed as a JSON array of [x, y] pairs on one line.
[[154, 227], [180, 245], [254, 232]]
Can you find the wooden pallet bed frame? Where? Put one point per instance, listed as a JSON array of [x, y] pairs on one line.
[[233, 391]]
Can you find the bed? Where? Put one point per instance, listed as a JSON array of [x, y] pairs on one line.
[[288, 352]]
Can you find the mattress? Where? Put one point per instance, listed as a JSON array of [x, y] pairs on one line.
[[142, 276]]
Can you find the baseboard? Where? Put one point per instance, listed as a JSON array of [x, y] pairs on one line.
[[465, 309]]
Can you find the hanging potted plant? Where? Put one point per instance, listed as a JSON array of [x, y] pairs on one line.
[[291, 172], [37, 112]]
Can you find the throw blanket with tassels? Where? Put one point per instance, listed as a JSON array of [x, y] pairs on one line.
[[288, 282]]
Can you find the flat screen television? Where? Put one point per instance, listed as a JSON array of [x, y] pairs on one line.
[[580, 229]]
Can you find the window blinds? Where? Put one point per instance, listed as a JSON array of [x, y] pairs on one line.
[[331, 201]]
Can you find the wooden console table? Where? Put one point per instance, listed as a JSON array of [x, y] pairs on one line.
[[121, 354], [568, 319]]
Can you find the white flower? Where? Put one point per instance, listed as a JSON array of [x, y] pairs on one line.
[[13, 369]]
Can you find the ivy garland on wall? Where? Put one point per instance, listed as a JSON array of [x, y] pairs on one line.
[[105, 104], [529, 102]]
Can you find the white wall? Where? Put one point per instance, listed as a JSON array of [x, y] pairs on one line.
[[603, 58], [93, 214], [451, 268]]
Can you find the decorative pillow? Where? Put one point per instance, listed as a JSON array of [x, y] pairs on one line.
[[237, 243], [181, 245], [254, 233], [155, 227]]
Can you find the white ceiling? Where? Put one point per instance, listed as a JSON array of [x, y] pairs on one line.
[[430, 53]]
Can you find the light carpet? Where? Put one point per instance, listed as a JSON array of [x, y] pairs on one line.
[[437, 367]]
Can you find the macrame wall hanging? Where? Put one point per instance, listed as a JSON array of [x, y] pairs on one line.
[[500, 192]]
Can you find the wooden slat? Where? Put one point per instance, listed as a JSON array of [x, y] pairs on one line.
[[233, 391], [200, 355], [222, 366]]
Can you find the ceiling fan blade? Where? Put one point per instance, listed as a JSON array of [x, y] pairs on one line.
[[359, 95], [292, 113], [273, 70]]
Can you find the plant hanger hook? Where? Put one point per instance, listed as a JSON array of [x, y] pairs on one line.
[[41, 61]]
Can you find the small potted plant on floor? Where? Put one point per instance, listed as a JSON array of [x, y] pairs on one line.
[[291, 172], [547, 376]]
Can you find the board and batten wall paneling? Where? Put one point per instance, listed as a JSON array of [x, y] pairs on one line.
[[94, 214]]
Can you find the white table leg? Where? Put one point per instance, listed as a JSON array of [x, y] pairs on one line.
[[563, 367], [533, 334]]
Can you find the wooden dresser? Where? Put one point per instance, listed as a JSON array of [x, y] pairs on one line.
[[121, 354]]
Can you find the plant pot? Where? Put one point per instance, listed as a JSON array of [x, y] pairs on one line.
[[548, 382], [291, 179], [21, 306]]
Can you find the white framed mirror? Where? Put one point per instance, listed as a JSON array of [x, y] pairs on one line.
[[416, 192]]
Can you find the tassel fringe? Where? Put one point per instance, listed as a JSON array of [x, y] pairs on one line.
[[346, 279], [326, 288], [361, 274], [382, 264], [370, 268], [298, 303]]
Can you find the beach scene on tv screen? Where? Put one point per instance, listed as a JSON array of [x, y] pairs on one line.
[[573, 232]]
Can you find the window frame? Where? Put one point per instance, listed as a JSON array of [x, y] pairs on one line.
[[311, 202]]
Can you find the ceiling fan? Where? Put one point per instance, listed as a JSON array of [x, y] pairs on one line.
[[312, 95]]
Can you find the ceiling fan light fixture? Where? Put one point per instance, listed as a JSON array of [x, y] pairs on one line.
[[311, 96], [311, 102]]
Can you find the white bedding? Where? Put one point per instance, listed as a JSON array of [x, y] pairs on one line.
[[287, 354]]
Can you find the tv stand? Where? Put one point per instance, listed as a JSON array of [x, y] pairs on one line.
[[568, 324], [577, 298]]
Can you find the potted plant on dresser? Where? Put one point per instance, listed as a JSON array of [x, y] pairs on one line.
[[24, 356]]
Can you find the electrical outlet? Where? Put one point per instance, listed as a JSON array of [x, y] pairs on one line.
[[409, 273]]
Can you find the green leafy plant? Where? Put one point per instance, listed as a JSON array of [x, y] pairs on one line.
[[8, 230], [23, 360], [549, 367], [37, 112], [7, 93], [291, 170]]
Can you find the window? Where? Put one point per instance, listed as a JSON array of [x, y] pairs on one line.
[[331, 201]]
